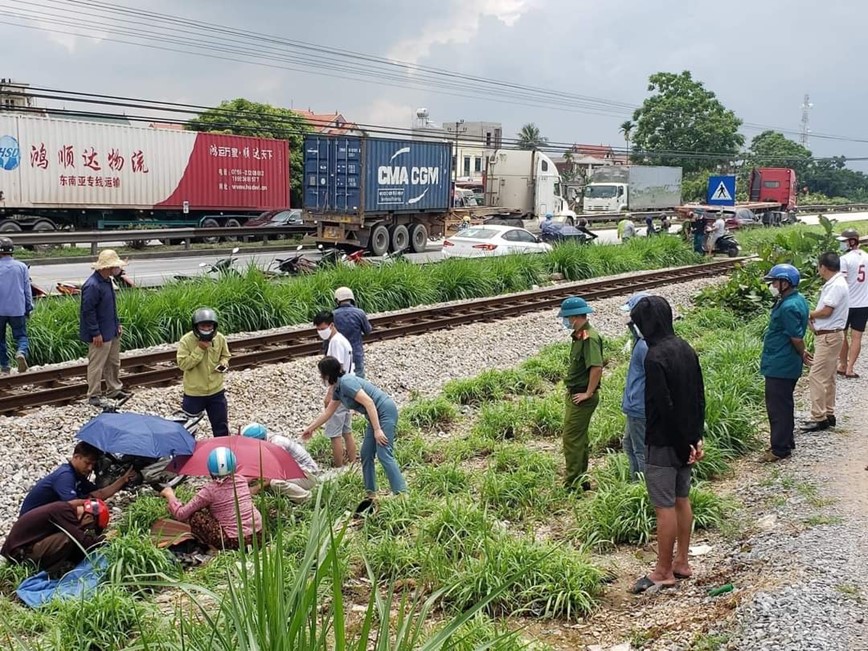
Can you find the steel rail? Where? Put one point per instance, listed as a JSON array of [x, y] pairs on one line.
[[63, 384]]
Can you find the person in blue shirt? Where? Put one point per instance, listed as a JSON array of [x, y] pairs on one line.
[[633, 401], [360, 395], [100, 328], [353, 324], [70, 481], [783, 356], [16, 304]]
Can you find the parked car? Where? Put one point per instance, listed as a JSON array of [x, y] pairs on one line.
[[272, 218], [490, 239], [740, 218]]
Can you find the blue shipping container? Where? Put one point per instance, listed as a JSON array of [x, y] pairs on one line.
[[376, 176]]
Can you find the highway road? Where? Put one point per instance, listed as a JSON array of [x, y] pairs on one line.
[[153, 272]]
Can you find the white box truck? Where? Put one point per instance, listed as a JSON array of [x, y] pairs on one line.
[[526, 184], [619, 188]]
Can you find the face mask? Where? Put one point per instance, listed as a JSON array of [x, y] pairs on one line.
[[325, 333], [567, 324], [635, 330], [774, 290], [203, 335], [844, 246]]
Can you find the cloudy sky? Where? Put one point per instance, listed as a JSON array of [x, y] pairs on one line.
[[760, 57]]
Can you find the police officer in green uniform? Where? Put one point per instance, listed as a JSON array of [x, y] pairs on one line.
[[582, 382]]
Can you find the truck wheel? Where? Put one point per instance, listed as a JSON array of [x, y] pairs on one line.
[[210, 223], [400, 237], [9, 227], [418, 238], [232, 223], [379, 242]]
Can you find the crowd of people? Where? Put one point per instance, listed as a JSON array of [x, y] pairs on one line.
[[663, 401]]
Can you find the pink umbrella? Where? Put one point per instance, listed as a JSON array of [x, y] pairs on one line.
[[255, 459]]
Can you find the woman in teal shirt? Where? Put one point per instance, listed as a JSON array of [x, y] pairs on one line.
[[359, 395]]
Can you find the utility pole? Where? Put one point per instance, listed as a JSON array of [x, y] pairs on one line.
[[805, 130], [455, 152]]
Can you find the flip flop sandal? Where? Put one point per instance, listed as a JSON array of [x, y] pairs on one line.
[[679, 575], [841, 373], [852, 376], [645, 583]]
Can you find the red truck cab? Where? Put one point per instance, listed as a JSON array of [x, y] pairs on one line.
[[773, 185]]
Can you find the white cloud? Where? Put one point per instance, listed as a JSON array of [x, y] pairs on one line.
[[460, 26], [385, 112], [58, 34]]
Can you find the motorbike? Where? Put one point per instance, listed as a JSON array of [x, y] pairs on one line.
[[36, 291], [330, 258], [728, 245], [151, 471], [69, 288], [222, 267], [293, 266]]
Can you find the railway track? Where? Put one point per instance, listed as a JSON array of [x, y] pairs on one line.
[[65, 384]]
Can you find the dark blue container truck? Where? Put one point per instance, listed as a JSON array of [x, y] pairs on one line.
[[385, 195]]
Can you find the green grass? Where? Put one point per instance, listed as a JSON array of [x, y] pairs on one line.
[[430, 413], [162, 316]]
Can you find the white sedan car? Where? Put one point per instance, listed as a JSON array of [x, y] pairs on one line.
[[488, 240]]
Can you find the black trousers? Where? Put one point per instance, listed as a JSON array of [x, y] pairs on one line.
[[781, 410], [215, 406]]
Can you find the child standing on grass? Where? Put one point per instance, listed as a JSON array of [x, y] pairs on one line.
[[203, 355], [360, 395]]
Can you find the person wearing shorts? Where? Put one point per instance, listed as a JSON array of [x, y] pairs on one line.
[[674, 425], [854, 267], [338, 428]]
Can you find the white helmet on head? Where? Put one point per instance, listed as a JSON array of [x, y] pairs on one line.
[[344, 294]]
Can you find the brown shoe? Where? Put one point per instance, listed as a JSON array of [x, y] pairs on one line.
[[771, 457]]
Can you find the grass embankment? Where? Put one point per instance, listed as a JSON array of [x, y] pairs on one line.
[[753, 240], [486, 524], [251, 302]]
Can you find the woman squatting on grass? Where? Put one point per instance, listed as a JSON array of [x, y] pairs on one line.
[[212, 513], [359, 395]]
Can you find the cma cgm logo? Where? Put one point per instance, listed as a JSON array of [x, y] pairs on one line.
[[401, 175], [10, 153]]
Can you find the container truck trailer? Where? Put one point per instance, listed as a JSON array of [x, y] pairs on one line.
[[58, 173], [616, 188], [384, 195]]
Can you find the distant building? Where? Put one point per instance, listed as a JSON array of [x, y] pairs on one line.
[[15, 96], [332, 124], [471, 140]]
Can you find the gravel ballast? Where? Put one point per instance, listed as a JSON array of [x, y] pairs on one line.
[[287, 396]]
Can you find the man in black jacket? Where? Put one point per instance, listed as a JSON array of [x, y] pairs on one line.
[[675, 421]]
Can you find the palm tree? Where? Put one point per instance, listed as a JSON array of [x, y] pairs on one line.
[[529, 137], [626, 129]]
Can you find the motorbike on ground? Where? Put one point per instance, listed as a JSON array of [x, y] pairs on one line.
[[70, 288], [220, 268], [297, 264]]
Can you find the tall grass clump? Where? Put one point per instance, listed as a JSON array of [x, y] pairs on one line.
[[620, 511], [249, 301], [429, 413]]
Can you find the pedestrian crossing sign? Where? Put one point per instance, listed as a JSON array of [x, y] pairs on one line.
[[721, 191]]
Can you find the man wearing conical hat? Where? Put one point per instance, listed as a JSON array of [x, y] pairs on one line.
[[100, 328]]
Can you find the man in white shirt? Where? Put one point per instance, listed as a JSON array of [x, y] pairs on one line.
[[296, 490], [827, 321], [854, 267], [338, 428], [715, 232]]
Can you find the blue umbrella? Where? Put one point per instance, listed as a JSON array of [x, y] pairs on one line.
[[137, 434]]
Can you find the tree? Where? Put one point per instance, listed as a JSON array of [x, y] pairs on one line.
[[773, 149], [529, 137], [626, 130], [681, 119], [242, 117]]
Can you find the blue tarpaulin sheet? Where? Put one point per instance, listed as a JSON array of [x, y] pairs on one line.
[[38, 590]]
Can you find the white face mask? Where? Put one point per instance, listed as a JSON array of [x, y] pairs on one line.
[[567, 324], [325, 333], [774, 290]]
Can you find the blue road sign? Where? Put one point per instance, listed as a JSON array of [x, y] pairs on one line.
[[721, 191]]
